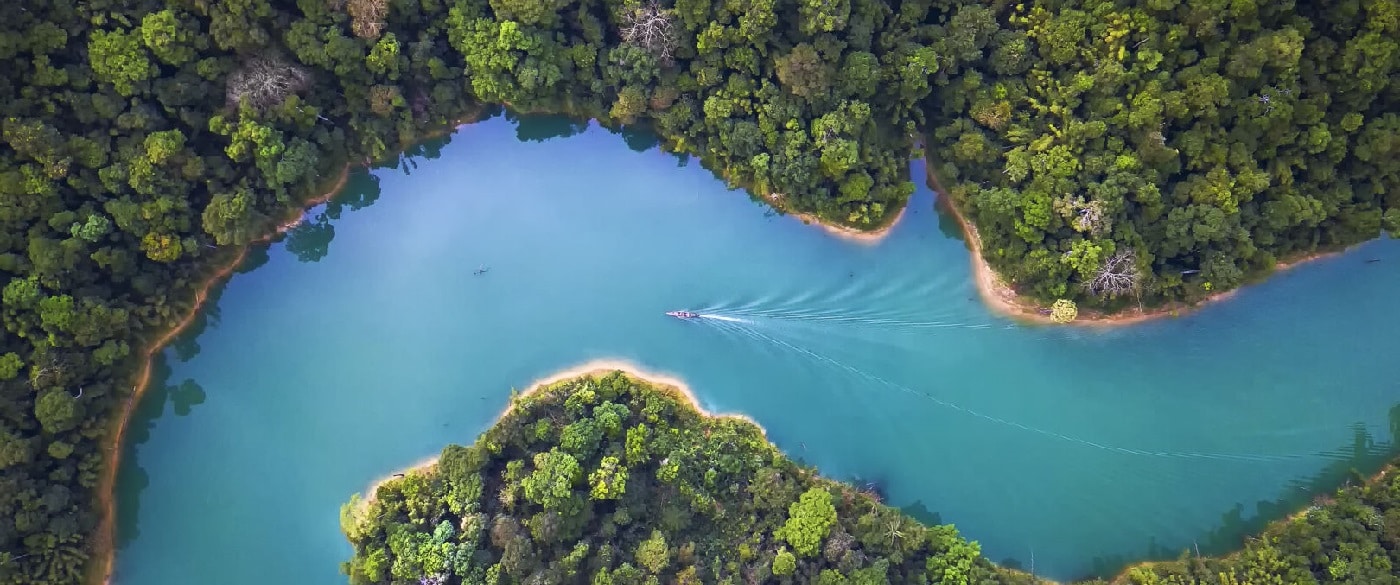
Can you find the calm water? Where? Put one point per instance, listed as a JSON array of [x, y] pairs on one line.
[[364, 343]]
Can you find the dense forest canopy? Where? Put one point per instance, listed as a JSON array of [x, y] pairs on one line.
[[1159, 149], [1166, 149], [607, 479]]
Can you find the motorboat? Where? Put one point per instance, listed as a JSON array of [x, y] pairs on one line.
[[682, 314]]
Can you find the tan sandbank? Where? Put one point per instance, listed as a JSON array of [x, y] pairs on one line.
[[1002, 299], [591, 369], [852, 234]]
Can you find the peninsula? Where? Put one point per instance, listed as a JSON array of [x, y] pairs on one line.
[[603, 474]]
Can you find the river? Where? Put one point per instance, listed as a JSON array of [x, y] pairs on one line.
[[365, 341]]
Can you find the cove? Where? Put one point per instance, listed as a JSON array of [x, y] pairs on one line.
[[364, 342]]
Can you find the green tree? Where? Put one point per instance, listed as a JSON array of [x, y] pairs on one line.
[[653, 554], [168, 39], [609, 481], [1063, 311], [809, 521], [57, 411], [119, 59], [784, 563], [552, 482]]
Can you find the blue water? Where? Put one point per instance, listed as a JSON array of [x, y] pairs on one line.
[[364, 342]]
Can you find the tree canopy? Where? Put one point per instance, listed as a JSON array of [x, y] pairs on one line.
[[1159, 150], [1151, 149]]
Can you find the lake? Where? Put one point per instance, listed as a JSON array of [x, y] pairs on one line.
[[365, 341]]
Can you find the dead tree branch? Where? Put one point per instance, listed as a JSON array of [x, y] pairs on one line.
[[1084, 216], [1119, 275], [266, 82], [649, 27], [367, 17]]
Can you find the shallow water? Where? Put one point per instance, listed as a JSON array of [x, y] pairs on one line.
[[365, 342]]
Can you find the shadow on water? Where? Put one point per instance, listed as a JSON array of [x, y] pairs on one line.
[[948, 224], [540, 127], [1350, 464], [132, 479]]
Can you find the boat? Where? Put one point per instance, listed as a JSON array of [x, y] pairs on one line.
[[682, 314]]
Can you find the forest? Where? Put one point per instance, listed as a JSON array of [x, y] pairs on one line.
[[608, 479], [1118, 153], [145, 142]]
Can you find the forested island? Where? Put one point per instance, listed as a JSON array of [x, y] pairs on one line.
[[608, 478], [1107, 152]]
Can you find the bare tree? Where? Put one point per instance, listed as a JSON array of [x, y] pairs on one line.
[[50, 370], [266, 82], [1085, 216], [1119, 275], [649, 27], [1090, 217], [367, 17]]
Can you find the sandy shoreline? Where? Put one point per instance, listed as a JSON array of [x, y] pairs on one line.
[[590, 369], [605, 366], [1003, 300], [852, 234]]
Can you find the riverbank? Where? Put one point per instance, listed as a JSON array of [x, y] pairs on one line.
[[1003, 299], [104, 539], [1321, 502], [851, 234]]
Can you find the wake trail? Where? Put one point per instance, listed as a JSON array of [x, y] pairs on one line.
[[871, 321], [724, 318], [1014, 424]]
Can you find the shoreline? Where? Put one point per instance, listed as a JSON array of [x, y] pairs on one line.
[[1327, 499], [103, 545], [1003, 300], [104, 537], [595, 368], [847, 233], [658, 381], [603, 366]]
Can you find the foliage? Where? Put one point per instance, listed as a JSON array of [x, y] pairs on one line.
[[1116, 151], [717, 519], [1063, 311], [1353, 538], [1194, 142]]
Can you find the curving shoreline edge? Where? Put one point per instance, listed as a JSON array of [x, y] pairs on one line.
[[104, 536], [595, 368], [1002, 299]]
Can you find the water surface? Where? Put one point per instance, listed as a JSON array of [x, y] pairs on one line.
[[365, 342]]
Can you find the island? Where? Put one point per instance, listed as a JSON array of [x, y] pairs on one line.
[[1111, 156], [609, 476]]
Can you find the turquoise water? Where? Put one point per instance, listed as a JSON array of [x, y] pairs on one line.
[[364, 342]]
